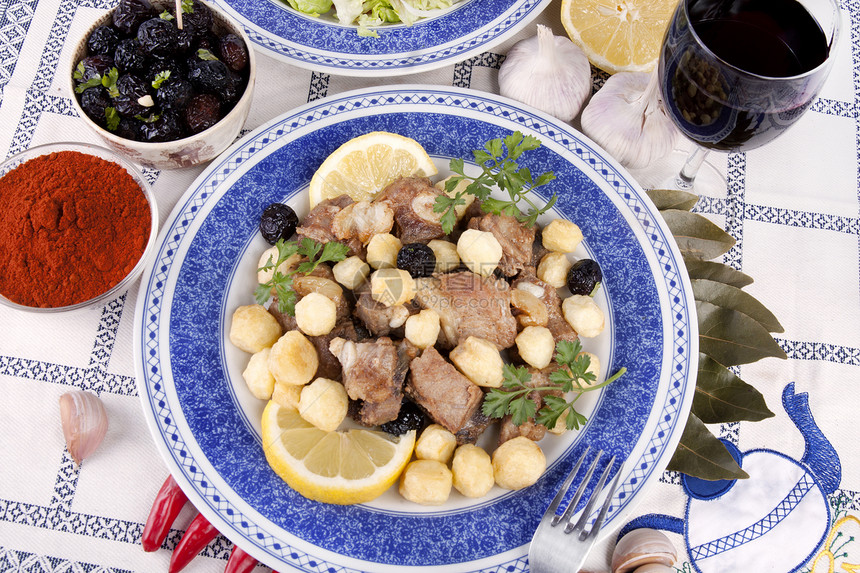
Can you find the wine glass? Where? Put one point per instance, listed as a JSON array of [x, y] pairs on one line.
[[735, 74]]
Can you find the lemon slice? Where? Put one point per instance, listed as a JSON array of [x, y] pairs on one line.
[[365, 165], [618, 35], [340, 467]]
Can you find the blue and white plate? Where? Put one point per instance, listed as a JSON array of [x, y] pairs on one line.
[[207, 425], [324, 45]]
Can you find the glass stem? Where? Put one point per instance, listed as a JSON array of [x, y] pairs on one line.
[[688, 172]]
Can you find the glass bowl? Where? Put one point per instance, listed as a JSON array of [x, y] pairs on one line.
[[94, 150]]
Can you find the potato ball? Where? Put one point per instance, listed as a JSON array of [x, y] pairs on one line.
[[518, 463], [316, 314], [583, 315], [270, 256], [287, 395], [382, 251], [480, 361], [536, 346], [324, 403], [435, 443], [351, 272], [472, 470], [426, 482], [260, 381], [422, 329], [561, 236], [553, 268], [480, 251], [253, 328], [447, 258], [293, 359], [392, 287]]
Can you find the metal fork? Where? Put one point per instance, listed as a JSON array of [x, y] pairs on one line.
[[553, 549]]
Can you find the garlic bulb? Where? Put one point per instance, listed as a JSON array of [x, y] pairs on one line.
[[548, 72], [627, 119], [84, 421], [642, 547]]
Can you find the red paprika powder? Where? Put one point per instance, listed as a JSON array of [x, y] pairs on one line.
[[72, 226]]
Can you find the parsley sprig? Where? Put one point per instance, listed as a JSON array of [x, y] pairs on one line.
[[500, 169], [573, 376], [282, 283]]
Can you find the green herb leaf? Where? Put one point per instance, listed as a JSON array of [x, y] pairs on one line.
[[697, 237], [151, 118], [109, 82], [160, 78], [165, 15], [112, 118], [723, 397], [672, 199], [94, 81], [732, 338], [78, 74], [187, 6], [719, 272], [726, 296], [700, 454], [204, 54]]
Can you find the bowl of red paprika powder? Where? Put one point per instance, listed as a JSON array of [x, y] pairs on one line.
[[78, 224]]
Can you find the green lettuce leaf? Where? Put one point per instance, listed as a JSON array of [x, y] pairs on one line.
[[311, 7]]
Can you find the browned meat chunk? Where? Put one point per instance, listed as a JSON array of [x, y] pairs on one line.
[[412, 200], [379, 319], [516, 240], [469, 305], [373, 375], [528, 429], [329, 364], [448, 397], [557, 325], [476, 425], [318, 224]]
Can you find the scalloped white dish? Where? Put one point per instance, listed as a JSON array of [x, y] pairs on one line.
[[322, 44], [207, 425]]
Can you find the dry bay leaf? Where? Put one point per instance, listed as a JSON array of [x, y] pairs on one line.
[[672, 199], [700, 454], [723, 397], [733, 298], [714, 271], [732, 338], [696, 236]]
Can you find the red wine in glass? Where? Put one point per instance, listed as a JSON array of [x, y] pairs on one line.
[[735, 74]]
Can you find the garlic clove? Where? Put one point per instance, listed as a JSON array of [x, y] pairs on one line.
[[626, 118], [547, 72], [84, 422], [642, 547]]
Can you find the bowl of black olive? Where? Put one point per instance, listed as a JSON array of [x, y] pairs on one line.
[[167, 85]]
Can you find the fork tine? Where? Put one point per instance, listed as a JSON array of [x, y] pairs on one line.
[[571, 507], [583, 518], [598, 523], [564, 487]]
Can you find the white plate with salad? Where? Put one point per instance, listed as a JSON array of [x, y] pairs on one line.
[[207, 425], [379, 38]]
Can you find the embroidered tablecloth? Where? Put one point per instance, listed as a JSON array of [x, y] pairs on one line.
[[792, 206]]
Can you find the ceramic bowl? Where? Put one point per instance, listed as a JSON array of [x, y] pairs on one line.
[[108, 155], [188, 151]]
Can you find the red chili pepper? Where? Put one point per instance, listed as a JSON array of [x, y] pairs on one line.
[[240, 562], [168, 503], [197, 536]]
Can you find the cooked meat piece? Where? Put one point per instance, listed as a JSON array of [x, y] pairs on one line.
[[317, 225], [469, 305], [448, 397], [371, 374], [324, 284], [560, 328], [329, 366], [379, 319], [412, 200], [528, 429], [362, 220], [516, 240], [287, 321], [538, 250], [476, 425]]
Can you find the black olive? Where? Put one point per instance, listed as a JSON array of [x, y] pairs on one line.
[[102, 40], [198, 21], [129, 14], [160, 65], [233, 52], [410, 418], [278, 221], [129, 128], [208, 75], [584, 277], [174, 93], [165, 128], [417, 259], [129, 57], [202, 112], [93, 66], [131, 85], [94, 101], [158, 37]]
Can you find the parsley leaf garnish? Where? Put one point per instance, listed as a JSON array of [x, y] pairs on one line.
[[160, 78], [573, 376], [112, 118], [282, 282], [500, 169]]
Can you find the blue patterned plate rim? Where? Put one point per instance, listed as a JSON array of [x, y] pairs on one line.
[[321, 44], [182, 363]]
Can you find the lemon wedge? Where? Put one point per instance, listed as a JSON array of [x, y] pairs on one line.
[[341, 467], [618, 35], [365, 165]]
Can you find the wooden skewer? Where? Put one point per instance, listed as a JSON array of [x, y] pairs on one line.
[[179, 14]]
